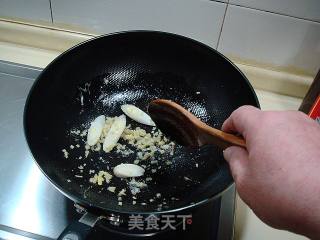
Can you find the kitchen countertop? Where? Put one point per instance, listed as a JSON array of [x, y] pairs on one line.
[[248, 226]]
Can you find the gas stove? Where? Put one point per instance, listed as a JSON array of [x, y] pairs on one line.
[[31, 208]]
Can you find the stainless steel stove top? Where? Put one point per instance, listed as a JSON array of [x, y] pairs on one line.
[[30, 207]]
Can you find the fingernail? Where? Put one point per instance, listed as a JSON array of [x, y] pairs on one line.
[[227, 153]]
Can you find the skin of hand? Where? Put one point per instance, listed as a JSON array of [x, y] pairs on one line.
[[278, 175]]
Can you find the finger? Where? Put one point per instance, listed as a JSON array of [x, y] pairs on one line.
[[241, 119], [237, 158]]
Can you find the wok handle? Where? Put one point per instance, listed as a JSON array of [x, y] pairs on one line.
[[80, 230]]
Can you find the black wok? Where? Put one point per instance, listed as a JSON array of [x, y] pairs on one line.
[[138, 67]]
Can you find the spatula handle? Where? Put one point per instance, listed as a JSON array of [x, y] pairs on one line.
[[221, 139]]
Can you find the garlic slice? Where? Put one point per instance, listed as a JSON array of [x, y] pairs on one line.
[[114, 133], [125, 170], [95, 130], [137, 114]]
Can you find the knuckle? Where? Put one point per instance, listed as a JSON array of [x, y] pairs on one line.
[[243, 111], [248, 108]]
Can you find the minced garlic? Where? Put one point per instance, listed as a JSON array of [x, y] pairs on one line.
[[122, 192], [65, 153], [111, 189], [101, 177]]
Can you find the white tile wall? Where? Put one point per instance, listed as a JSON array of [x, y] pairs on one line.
[[29, 10], [200, 20], [271, 39], [250, 31], [308, 9]]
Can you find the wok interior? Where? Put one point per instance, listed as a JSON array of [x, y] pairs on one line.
[[138, 67]]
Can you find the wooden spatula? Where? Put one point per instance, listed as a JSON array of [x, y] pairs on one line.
[[186, 129]]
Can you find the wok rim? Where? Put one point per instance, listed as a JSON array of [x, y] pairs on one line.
[[89, 204]]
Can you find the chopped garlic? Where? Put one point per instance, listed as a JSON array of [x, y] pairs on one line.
[[136, 161], [65, 153], [122, 192], [136, 183], [186, 178], [86, 153], [101, 177], [76, 132], [147, 144], [111, 189], [84, 133], [135, 186]]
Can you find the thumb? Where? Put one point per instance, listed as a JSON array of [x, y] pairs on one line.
[[237, 158]]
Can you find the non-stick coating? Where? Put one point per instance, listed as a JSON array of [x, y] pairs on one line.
[[138, 67]]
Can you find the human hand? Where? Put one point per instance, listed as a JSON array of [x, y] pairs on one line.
[[278, 174]]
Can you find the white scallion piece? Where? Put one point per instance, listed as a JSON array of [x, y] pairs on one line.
[[114, 133], [137, 114], [95, 130], [125, 170]]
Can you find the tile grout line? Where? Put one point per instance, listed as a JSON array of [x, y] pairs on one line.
[[47, 27], [51, 11], [222, 24], [276, 13]]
